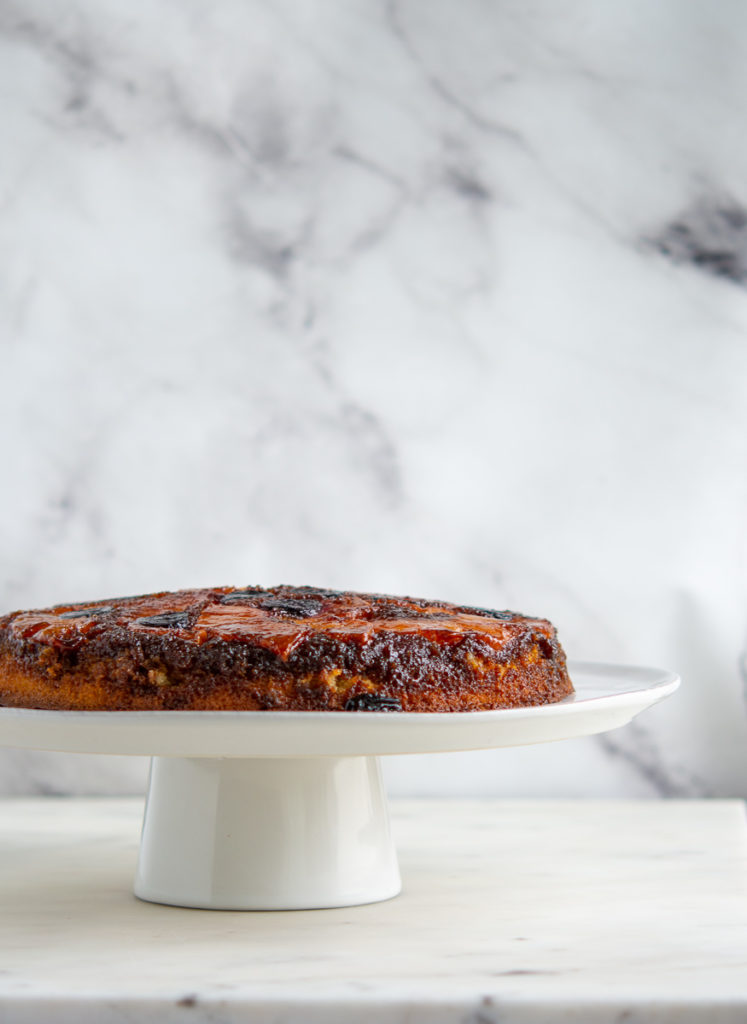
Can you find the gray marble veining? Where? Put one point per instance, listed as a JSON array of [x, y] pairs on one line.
[[429, 298]]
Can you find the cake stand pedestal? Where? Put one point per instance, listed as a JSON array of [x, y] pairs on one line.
[[286, 810], [266, 834]]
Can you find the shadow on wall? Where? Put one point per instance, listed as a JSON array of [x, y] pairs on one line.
[[40, 773]]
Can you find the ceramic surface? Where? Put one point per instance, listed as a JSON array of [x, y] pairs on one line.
[[259, 810], [261, 834]]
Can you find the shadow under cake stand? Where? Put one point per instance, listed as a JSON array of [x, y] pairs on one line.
[[263, 810]]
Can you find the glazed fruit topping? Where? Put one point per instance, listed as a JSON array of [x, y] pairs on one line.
[[87, 613], [492, 613], [175, 620], [389, 610], [372, 702]]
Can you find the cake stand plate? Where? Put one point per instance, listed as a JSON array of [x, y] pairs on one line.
[[286, 810]]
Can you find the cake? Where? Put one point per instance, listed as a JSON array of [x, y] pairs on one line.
[[278, 649]]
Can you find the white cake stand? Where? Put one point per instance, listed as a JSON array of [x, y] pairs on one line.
[[286, 810]]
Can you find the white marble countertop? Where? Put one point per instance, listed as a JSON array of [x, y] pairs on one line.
[[512, 911]]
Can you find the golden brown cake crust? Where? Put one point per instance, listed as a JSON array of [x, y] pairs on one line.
[[279, 648]]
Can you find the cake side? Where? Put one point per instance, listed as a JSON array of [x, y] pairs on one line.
[[280, 648]]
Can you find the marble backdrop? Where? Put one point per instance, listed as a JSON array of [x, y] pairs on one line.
[[443, 298]]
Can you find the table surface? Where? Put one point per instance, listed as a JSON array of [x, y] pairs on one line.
[[512, 911]]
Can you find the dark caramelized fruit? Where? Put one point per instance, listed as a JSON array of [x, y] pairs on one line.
[[302, 609], [372, 702], [167, 620], [87, 613]]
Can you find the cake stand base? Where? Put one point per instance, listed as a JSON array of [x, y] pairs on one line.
[[285, 810], [266, 834]]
